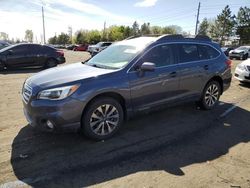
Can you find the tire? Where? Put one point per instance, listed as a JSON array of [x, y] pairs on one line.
[[50, 63], [2, 67], [210, 96], [102, 118], [245, 57]]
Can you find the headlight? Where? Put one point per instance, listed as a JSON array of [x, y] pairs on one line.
[[58, 93], [242, 67]]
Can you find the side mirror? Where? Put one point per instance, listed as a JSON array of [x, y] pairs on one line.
[[148, 66]]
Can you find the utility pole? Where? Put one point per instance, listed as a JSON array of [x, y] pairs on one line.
[[197, 19], [44, 41], [104, 31]]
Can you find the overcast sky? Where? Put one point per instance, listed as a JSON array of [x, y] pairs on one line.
[[18, 15]]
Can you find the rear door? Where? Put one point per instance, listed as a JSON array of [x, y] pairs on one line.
[[35, 55], [152, 88], [195, 65]]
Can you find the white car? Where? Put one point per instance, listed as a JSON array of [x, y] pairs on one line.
[[242, 71], [243, 52]]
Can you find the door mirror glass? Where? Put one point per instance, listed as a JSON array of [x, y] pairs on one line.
[[148, 66]]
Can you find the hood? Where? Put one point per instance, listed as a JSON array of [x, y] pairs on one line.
[[237, 51], [65, 74]]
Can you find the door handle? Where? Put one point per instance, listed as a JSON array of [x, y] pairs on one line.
[[206, 67]]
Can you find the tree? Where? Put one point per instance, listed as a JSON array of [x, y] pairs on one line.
[[127, 32], [63, 39], [29, 35], [81, 37], [116, 33], [4, 36], [145, 28], [156, 30], [169, 30], [94, 37], [53, 40], [223, 25], [243, 25], [203, 28], [135, 29]]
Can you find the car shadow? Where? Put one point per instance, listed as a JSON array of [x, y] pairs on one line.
[[246, 85], [21, 70], [161, 140]]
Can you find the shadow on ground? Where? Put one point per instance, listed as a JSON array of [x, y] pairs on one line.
[[162, 140]]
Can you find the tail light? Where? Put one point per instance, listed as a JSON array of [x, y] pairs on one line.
[[229, 63], [60, 52]]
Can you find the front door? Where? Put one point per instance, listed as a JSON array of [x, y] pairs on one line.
[[152, 88]]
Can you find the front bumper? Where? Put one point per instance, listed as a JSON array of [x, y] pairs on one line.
[[242, 75], [236, 55], [65, 115]]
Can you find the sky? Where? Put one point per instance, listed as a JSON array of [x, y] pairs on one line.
[[18, 15]]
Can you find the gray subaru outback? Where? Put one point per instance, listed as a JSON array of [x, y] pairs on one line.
[[130, 76]]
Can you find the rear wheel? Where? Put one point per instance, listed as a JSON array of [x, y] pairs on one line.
[[211, 95], [51, 63], [102, 119], [245, 56]]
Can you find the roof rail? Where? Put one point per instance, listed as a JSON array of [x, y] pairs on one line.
[[170, 37], [145, 35], [203, 37]]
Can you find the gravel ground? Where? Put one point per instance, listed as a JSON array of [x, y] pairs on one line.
[[160, 149]]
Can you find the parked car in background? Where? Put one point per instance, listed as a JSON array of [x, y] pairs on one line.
[[3, 44], [226, 50], [30, 55], [81, 47], [240, 53], [98, 47], [71, 46], [128, 77], [242, 71]]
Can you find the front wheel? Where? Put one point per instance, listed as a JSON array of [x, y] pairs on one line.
[[102, 119], [210, 96]]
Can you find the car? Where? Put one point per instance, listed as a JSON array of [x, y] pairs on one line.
[[242, 71], [30, 55], [127, 78], [3, 44], [81, 47], [71, 46], [240, 53], [94, 49], [226, 50]]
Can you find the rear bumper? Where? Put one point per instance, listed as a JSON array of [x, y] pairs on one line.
[[61, 60]]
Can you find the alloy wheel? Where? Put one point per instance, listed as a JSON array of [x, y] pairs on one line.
[[104, 119], [212, 95]]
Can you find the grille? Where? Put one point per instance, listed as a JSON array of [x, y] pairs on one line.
[[27, 92]]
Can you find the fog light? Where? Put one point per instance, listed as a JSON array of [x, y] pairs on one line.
[[49, 124]]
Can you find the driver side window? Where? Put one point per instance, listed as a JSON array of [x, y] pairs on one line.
[[160, 56]]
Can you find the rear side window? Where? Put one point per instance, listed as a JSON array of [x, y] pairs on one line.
[[207, 52], [160, 56], [188, 52], [21, 49]]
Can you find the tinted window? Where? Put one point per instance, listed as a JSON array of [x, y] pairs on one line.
[[34, 48], [160, 55], [207, 52], [188, 52], [20, 49], [106, 44]]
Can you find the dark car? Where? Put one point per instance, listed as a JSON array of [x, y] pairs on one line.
[[81, 47], [71, 46], [226, 50], [30, 55], [126, 78]]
